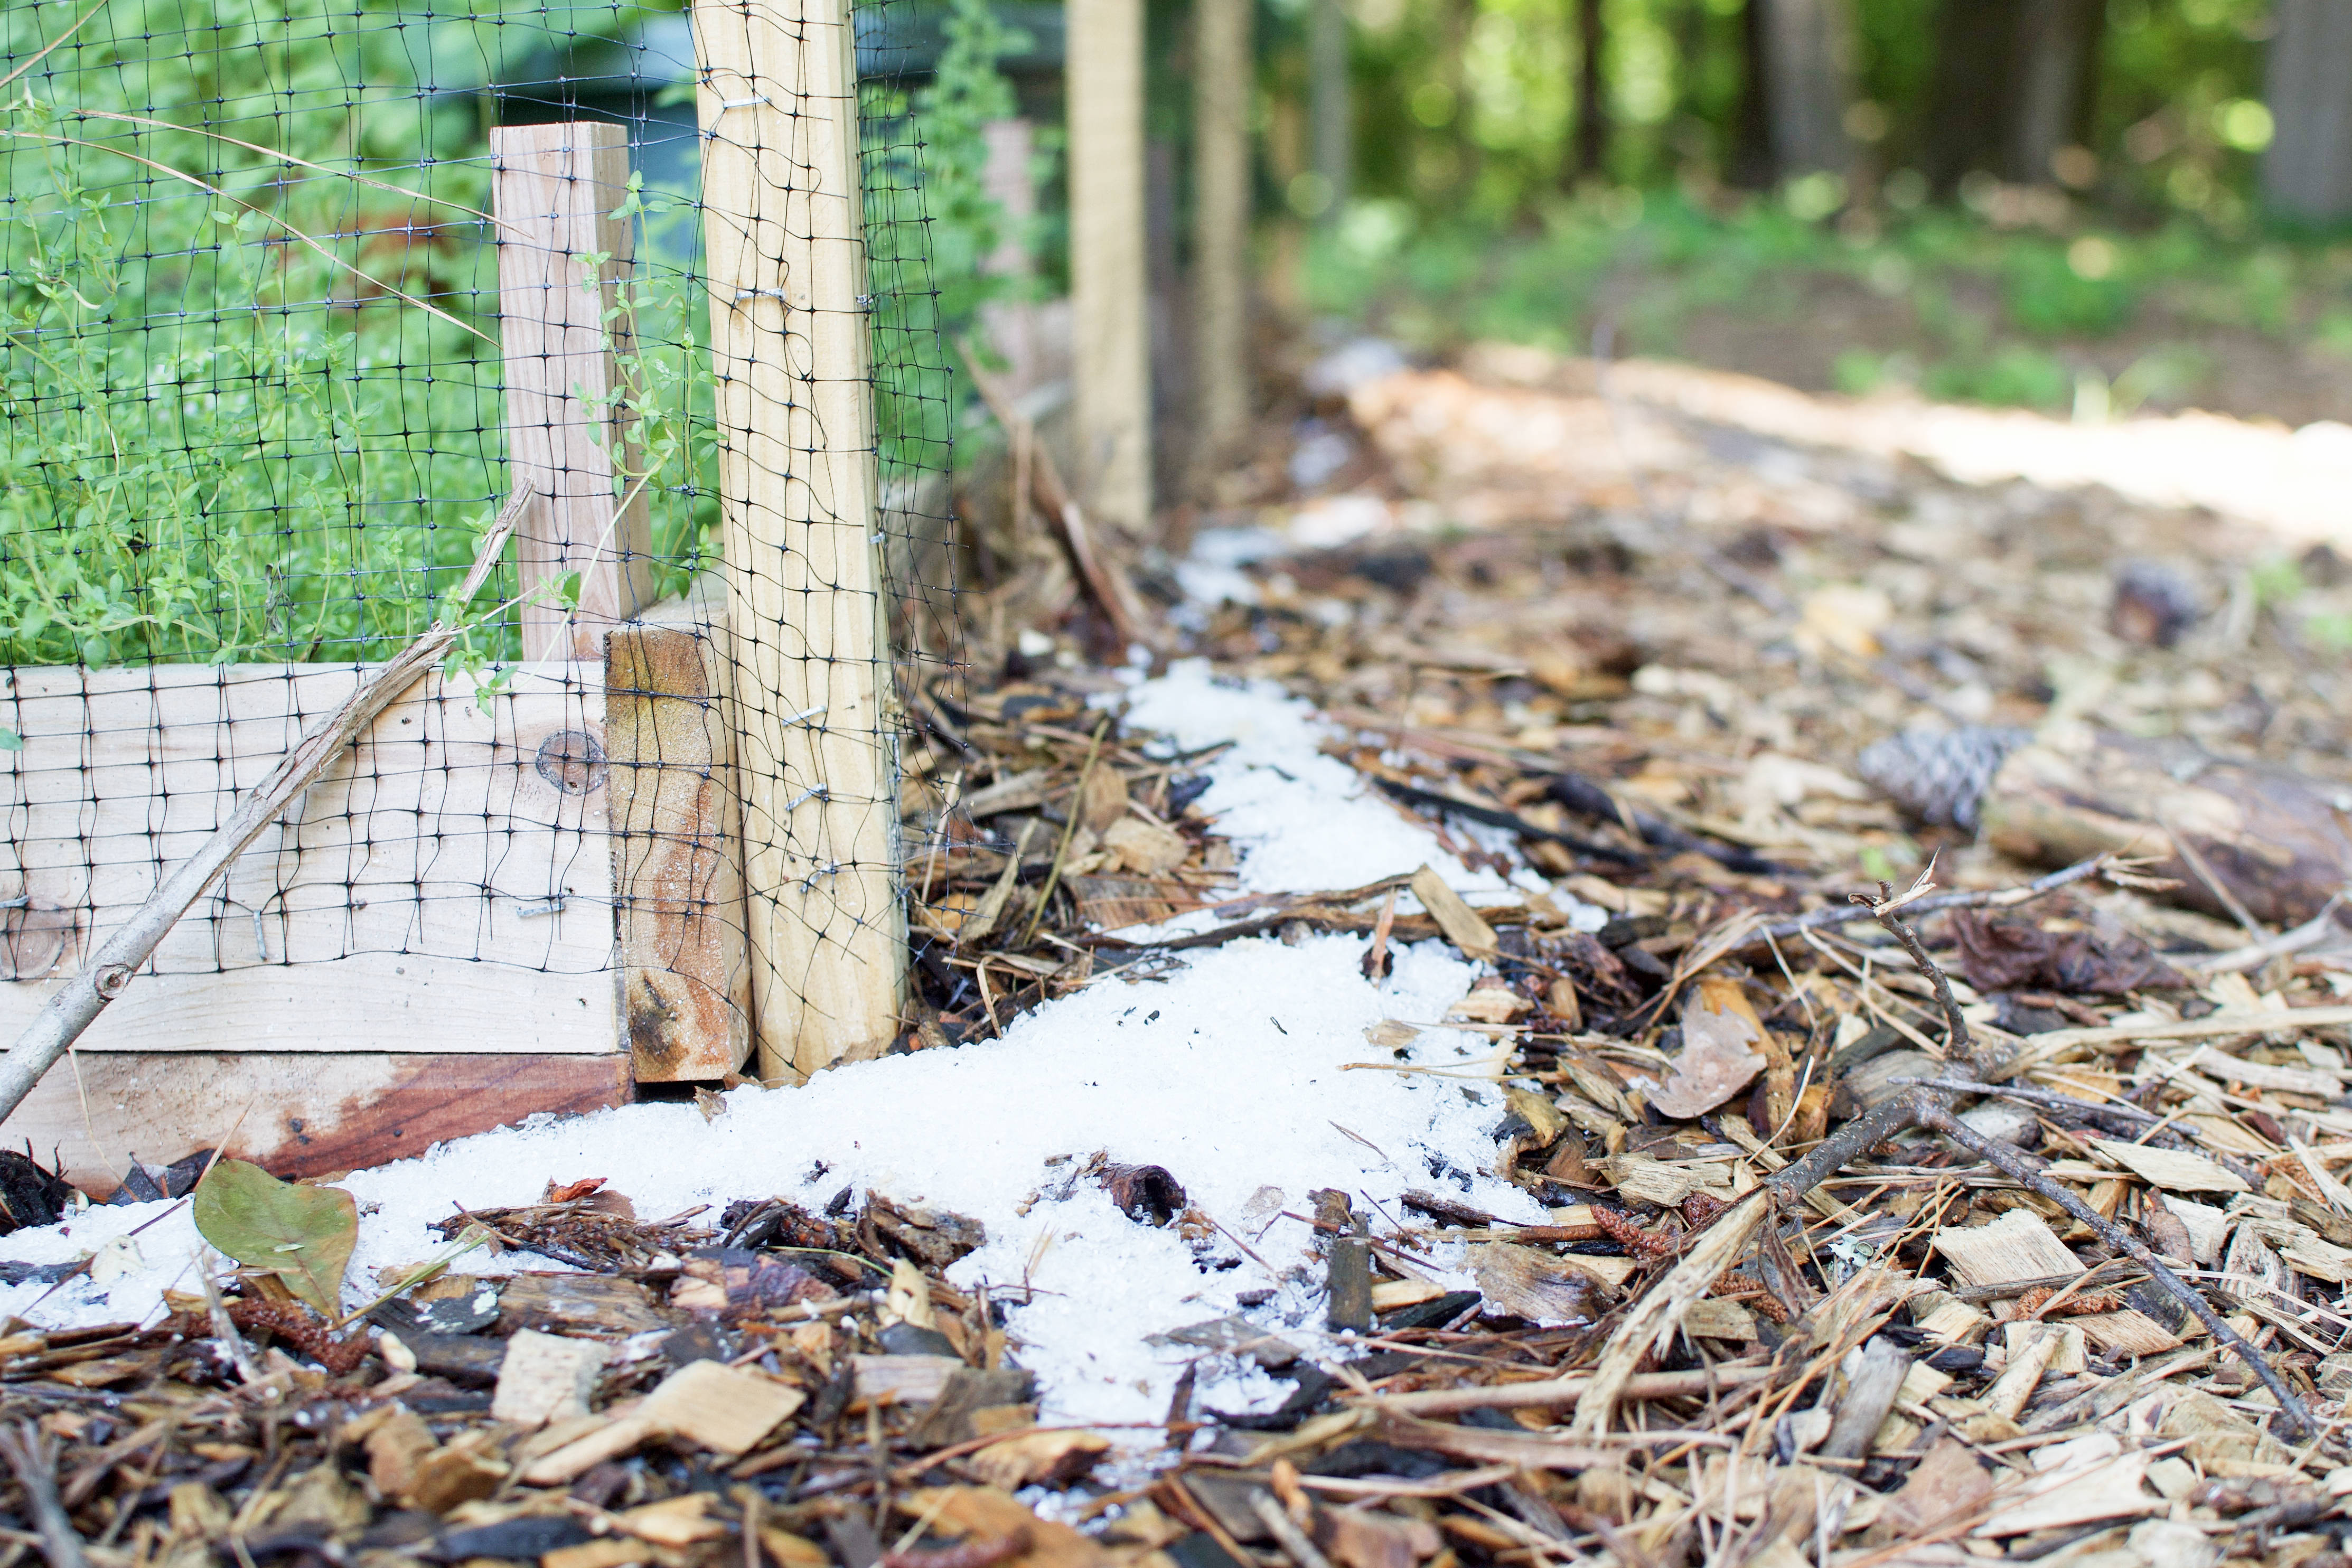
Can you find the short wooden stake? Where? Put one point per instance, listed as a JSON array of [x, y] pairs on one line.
[[553, 188], [677, 870], [1222, 72], [815, 716], [1109, 294]]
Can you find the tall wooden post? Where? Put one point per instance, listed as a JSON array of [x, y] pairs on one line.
[[1007, 177], [2056, 75], [1590, 151], [816, 724], [1110, 300], [553, 188], [1330, 103], [1223, 73]]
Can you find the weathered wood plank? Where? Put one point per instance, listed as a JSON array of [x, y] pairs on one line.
[[554, 188], [369, 1001], [816, 730], [303, 1114], [685, 969], [437, 835]]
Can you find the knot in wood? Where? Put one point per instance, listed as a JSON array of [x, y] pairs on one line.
[[108, 981], [572, 761]]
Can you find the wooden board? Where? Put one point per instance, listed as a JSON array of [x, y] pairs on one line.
[[1111, 335], [429, 845], [304, 1114], [685, 970], [369, 1001], [816, 736], [554, 188]]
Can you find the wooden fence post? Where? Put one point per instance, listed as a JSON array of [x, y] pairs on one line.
[[1223, 73], [1330, 105], [1010, 326], [552, 188], [816, 712], [678, 870], [1110, 330]]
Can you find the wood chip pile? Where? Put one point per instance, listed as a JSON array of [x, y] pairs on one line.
[[2006, 1218]]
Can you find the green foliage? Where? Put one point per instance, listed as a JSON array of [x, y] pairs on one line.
[[251, 400], [931, 227], [214, 442], [1972, 310], [304, 1235], [965, 93], [2332, 632], [2275, 581], [2046, 291], [1465, 108], [2012, 373]]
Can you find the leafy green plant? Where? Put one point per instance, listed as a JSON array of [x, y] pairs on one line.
[[2332, 632], [304, 1235], [2275, 581], [931, 227], [227, 430], [965, 223], [2047, 291], [250, 390]]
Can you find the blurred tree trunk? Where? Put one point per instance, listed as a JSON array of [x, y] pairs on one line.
[[1592, 109], [2307, 172], [1968, 95], [1749, 163], [1459, 16], [2054, 75], [1690, 47], [2014, 83], [1807, 55]]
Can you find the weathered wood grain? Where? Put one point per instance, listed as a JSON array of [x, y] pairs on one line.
[[304, 1114], [442, 837], [1110, 334], [685, 969], [554, 188], [1222, 80], [813, 696]]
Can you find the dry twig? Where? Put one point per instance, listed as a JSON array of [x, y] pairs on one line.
[[1931, 1108], [33, 1456]]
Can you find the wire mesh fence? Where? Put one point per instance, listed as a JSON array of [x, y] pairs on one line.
[[295, 297]]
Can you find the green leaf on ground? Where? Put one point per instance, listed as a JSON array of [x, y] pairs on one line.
[[302, 1234]]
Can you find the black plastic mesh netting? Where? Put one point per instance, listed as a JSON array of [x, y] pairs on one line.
[[297, 295]]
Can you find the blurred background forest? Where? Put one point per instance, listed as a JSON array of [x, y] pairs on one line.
[[2087, 204]]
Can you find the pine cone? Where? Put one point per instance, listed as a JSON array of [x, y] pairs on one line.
[[1940, 776]]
